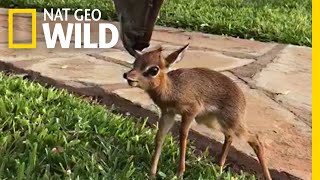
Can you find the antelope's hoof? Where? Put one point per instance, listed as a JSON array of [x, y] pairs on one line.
[[180, 174], [152, 176]]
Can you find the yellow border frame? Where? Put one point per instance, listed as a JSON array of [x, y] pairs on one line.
[[34, 28], [315, 89]]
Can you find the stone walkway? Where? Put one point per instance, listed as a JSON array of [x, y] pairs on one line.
[[276, 79]]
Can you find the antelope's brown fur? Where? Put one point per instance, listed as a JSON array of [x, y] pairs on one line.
[[205, 95]]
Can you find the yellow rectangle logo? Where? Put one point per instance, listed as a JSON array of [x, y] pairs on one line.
[[34, 28]]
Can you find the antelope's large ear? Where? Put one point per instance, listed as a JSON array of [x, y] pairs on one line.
[[176, 56]]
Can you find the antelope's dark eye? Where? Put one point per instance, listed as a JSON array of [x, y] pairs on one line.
[[152, 71]]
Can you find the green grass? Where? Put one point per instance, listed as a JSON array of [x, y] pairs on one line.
[[50, 134], [285, 21]]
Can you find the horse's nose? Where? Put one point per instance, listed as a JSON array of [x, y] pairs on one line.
[[140, 45]]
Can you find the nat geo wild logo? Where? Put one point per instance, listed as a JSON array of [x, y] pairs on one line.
[[84, 18]]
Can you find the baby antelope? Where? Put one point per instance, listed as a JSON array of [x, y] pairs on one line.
[[199, 94]]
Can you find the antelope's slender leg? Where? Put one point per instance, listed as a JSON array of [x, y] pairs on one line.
[[165, 123], [184, 131], [257, 146], [225, 150]]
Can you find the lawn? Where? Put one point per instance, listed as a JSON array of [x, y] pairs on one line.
[[285, 21], [50, 134]]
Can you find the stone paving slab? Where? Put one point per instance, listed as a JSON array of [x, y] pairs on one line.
[[42, 52], [213, 60], [278, 88], [289, 77], [228, 45], [82, 68], [21, 29]]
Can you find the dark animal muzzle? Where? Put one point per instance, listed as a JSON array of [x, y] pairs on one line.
[[137, 19]]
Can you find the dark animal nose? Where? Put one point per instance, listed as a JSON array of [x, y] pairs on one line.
[[140, 45], [125, 75]]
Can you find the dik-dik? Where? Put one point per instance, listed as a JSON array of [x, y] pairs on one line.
[[199, 94]]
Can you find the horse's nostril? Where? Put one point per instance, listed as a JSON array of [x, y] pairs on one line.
[[125, 75], [141, 45]]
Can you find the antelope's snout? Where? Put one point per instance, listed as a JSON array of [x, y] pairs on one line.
[[131, 78]]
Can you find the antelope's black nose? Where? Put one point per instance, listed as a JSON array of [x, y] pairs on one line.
[[125, 75]]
